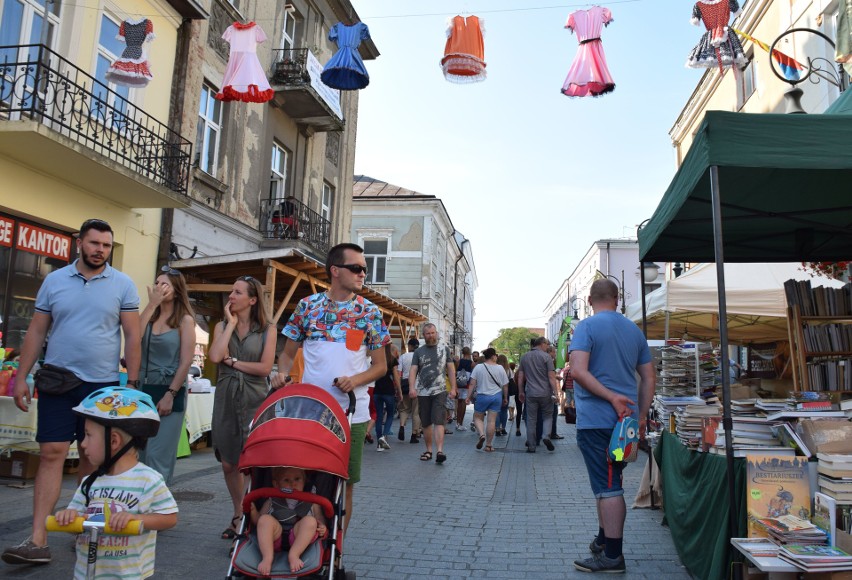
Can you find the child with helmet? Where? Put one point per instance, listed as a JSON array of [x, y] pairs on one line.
[[119, 422]]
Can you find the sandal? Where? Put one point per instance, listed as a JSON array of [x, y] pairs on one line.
[[427, 456], [230, 532], [489, 449], [481, 442], [440, 458]]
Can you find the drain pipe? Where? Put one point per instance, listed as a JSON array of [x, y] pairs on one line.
[[456, 289]]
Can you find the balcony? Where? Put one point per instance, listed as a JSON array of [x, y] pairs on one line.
[[59, 120], [301, 94], [290, 219]]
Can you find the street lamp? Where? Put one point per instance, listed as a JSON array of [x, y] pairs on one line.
[[575, 308], [620, 287]]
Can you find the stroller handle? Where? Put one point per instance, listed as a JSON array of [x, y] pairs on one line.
[[351, 409], [81, 524]]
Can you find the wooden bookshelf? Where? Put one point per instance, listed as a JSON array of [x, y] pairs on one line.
[[820, 350]]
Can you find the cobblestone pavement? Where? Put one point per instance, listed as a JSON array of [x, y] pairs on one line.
[[507, 514]]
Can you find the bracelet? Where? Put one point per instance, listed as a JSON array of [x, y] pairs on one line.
[[174, 392]]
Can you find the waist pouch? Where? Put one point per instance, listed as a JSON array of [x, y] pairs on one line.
[[54, 380]]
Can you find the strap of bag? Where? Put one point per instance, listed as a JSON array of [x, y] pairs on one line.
[[492, 376]]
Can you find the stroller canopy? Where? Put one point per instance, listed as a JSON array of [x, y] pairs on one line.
[[299, 426]]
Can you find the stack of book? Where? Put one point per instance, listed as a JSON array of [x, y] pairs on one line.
[[751, 435], [814, 558], [846, 407], [743, 407], [689, 421], [665, 406], [792, 530], [769, 406], [835, 476]]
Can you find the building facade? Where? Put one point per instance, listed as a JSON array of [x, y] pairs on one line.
[[614, 258], [266, 175], [416, 256], [75, 144]]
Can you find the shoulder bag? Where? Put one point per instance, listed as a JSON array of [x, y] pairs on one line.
[[158, 391]]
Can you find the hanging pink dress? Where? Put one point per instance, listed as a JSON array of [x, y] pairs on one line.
[[245, 79], [589, 75]]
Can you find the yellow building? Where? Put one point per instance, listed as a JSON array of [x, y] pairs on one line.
[[756, 89], [76, 143]]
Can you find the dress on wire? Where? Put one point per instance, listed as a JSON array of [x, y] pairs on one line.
[[345, 70], [131, 68], [245, 79], [719, 45], [589, 75], [464, 53]]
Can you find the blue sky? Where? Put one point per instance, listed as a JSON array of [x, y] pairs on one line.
[[530, 176]]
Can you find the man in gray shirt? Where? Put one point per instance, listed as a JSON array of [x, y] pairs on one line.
[[431, 366], [538, 389]]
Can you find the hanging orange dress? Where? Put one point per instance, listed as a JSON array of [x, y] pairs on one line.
[[464, 54]]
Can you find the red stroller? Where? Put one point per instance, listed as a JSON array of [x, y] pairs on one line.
[[297, 426]]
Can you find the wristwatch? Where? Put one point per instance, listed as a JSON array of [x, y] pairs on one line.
[[174, 392], [133, 382]]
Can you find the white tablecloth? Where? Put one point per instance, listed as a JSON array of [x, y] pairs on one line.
[[199, 414], [18, 429]]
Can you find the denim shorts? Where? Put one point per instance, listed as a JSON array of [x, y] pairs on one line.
[[57, 423], [604, 477], [485, 403]]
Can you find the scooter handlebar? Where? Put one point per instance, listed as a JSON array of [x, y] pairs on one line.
[[79, 525]]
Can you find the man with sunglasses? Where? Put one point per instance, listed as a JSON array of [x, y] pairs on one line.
[[342, 336], [85, 307]]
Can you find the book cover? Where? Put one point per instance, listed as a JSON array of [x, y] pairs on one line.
[[789, 438], [816, 553], [776, 487], [825, 515], [708, 432]]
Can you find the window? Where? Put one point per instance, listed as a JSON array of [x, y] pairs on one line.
[[288, 31], [209, 130], [376, 254], [110, 103], [278, 179], [749, 82], [21, 24], [327, 202]]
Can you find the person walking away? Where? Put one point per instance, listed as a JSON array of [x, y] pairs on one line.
[[86, 307], [568, 392], [124, 487], [519, 405], [507, 410], [606, 351], [491, 385], [244, 348], [431, 367], [538, 389], [463, 372], [343, 338], [167, 326], [551, 350], [387, 392], [408, 406]]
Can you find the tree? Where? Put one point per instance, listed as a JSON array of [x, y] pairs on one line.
[[513, 342]]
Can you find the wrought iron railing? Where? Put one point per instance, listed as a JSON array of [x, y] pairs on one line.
[[290, 219], [38, 84], [290, 66]]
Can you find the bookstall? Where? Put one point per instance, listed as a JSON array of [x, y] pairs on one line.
[[753, 188]]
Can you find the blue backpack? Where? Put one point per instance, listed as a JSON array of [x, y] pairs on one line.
[[624, 443]]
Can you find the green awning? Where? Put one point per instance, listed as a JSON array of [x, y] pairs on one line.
[[842, 106], [785, 185]]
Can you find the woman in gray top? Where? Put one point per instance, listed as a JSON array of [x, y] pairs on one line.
[[168, 345]]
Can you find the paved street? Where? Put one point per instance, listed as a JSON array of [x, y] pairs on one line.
[[506, 514]]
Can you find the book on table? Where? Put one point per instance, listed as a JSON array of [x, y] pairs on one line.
[[789, 438], [825, 515], [816, 554], [757, 547], [776, 488]]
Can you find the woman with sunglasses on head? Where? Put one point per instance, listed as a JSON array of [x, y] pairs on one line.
[[168, 344], [244, 348]]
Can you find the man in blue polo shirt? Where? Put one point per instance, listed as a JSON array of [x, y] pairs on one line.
[[84, 307]]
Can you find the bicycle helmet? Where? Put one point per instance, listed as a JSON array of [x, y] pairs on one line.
[[128, 409]]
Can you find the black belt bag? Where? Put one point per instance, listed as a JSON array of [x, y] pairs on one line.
[[54, 380]]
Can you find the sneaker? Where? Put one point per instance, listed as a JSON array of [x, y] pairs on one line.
[[383, 443], [472, 426], [27, 553], [548, 444], [596, 548], [461, 428], [401, 434], [414, 439], [379, 448], [600, 563]]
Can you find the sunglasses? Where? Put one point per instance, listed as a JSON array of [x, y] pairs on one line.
[[354, 268], [246, 279], [169, 270]]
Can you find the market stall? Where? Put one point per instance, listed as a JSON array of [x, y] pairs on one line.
[[752, 188]]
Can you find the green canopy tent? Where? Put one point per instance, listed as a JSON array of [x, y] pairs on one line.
[[756, 188]]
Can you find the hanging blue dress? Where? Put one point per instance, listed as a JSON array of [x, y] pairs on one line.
[[345, 70]]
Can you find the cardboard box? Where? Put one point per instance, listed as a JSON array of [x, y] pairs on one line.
[[19, 465]]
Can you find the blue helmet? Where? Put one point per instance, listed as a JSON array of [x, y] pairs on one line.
[[127, 409]]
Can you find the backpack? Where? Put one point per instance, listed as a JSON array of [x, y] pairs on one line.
[[624, 443], [462, 378]]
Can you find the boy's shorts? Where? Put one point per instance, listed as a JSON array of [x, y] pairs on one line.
[[433, 409], [57, 423], [356, 452], [486, 403], [604, 477]]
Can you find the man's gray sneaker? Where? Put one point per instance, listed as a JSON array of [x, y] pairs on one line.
[[596, 548], [600, 563], [27, 553]]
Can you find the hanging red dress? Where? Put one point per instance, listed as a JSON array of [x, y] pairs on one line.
[[464, 54], [245, 79]]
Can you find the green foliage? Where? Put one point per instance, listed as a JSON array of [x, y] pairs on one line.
[[513, 342]]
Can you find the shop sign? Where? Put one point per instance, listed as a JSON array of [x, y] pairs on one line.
[[44, 242], [7, 226]]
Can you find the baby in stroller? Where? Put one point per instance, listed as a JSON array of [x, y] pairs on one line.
[[302, 522]]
